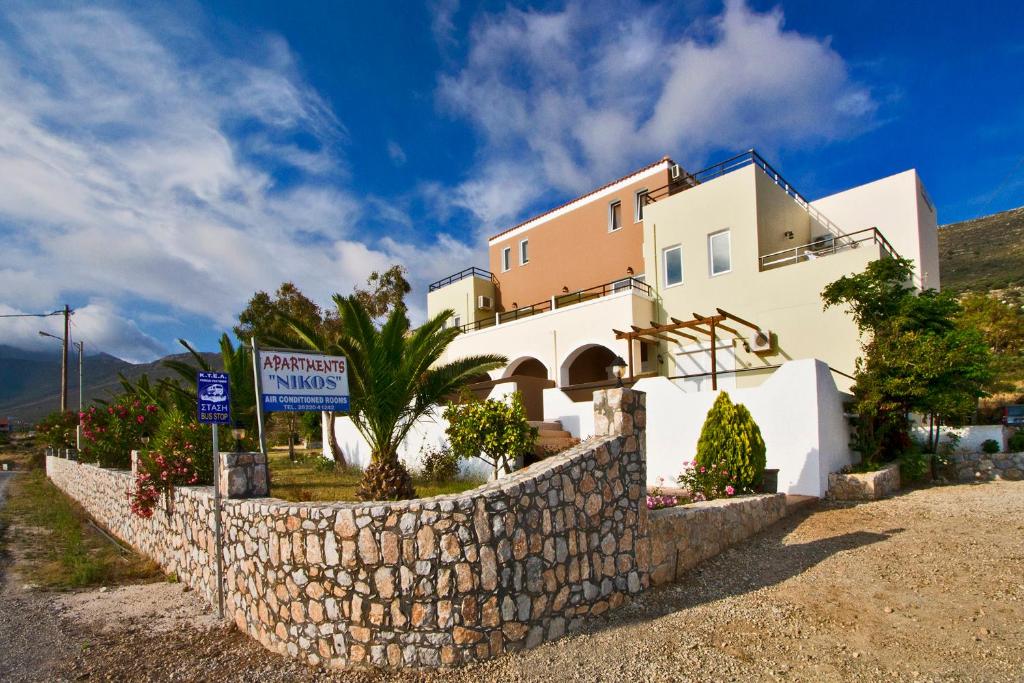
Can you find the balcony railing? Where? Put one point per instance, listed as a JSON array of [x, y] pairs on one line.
[[461, 275], [559, 301], [748, 158], [826, 247]]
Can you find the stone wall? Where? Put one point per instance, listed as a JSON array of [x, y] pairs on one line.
[[864, 485], [420, 583], [683, 537], [988, 466]]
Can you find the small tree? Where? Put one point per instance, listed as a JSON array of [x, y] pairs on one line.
[[730, 440], [495, 431], [918, 355]]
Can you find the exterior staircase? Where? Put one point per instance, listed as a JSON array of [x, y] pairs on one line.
[[550, 437]]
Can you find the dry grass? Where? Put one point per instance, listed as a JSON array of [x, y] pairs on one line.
[[51, 537], [308, 480]]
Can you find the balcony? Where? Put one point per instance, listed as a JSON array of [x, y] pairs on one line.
[[462, 275], [748, 158], [827, 247], [559, 302]]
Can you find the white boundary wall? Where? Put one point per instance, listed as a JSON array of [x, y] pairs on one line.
[[427, 434], [971, 437], [799, 410]]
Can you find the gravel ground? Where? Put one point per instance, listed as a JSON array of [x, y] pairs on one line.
[[925, 586]]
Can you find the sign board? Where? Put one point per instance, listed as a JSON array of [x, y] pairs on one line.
[[214, 397], [296, 381]]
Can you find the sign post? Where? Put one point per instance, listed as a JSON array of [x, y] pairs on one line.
[[213, 391], [259, 392]]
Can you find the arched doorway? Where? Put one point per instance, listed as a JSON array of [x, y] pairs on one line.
[[586, 364], [527, 366]]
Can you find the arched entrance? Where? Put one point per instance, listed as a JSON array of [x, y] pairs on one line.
[[526, 366], [586, 364]]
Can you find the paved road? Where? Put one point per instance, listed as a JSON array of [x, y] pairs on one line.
[[32, 642]]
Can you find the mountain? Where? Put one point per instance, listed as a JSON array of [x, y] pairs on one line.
[[983, 253], [30, 380]]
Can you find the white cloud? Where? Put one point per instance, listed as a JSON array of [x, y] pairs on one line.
[[98, 324], [442, 22], [396, 153], [139, 164], [569, 99]]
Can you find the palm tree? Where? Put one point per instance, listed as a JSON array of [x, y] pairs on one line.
[[394, 379]]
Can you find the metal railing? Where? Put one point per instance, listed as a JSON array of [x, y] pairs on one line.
[[461, 275], [826, 247], [559, 301], [734, 163]]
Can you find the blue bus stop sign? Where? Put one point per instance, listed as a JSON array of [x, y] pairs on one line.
[[214, 397]]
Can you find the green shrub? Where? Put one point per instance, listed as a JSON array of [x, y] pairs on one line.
[[1015, 444], [440, 464], [914, 463], [57, 429], [323, 465], [730, 440], [990, 446], [110, 433]]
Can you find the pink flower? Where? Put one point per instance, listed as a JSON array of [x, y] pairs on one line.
[[140, 419], [729, 490], [702, 470]]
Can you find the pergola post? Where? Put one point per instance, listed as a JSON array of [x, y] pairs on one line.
[[714, 360]]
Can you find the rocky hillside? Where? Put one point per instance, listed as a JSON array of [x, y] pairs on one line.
[[984, 253]]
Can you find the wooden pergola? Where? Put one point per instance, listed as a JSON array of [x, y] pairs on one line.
[[689, 329]]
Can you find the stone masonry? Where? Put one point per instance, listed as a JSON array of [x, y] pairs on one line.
[[864, 485], [243, 475], [987, 466], [420, 583], [683, 537]]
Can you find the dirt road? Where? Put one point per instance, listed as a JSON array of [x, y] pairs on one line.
[[926, 586], [32, 639]]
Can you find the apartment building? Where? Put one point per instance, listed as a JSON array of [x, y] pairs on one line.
[[710, 279]]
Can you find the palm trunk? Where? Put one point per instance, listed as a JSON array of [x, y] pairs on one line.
[[332, 441]]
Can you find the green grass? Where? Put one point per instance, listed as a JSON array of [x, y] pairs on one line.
[[304, 480], [50, 535]]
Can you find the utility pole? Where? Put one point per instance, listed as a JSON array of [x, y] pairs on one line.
[[78, 428], [64, 361]]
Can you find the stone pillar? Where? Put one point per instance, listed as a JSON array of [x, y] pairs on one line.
[[621, 411], [243, 475]]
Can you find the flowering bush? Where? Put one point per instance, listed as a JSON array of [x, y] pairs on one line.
[[658, 499], [110, 433], [707, 483], [58, 429], [182, 455]]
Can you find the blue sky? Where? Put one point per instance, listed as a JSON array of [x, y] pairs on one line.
[[162, 162]]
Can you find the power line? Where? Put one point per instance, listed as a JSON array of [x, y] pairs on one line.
[[32, 315]]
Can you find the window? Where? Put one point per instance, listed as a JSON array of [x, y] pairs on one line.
[[506, 259], [719, 253], [672, 259], [524, 252], [614, 216], [455, 321], [639, 200]]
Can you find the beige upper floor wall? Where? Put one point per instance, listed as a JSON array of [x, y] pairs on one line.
[[785, 301], [898, 206]]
